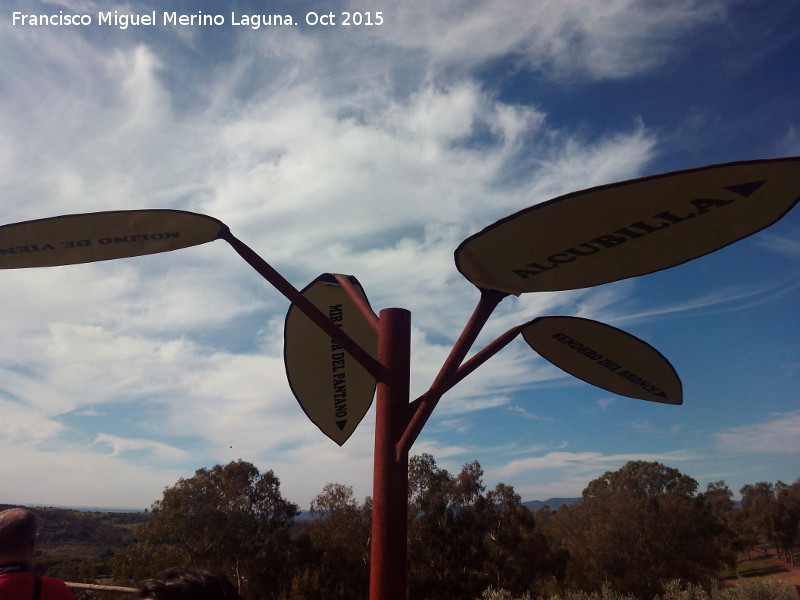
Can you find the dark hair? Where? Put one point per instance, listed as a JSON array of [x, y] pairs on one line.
[[180, 583], [17, 529]]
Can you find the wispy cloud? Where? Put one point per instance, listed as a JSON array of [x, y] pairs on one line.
[[730, 298], [22, 424], [777, 435], [651, 428], [568, 39], [604, 403], [785, 245], [462, 405], [121, 446], [591, 461], [519, 411], [566, 474]]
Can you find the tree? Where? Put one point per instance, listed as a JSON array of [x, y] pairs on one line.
[[718, 499], [771, 515], [430, 533], [517, 554], [335, 547], [461, 539], [758, 505], [230, 518], [136, 562], [637, 528], [650, 479], [786, 519]]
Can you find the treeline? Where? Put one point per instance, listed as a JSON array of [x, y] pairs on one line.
[[635, 530]]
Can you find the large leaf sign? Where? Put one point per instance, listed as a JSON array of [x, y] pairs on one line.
[[333, 389], [628, 229], [605, 356], [90, 237]]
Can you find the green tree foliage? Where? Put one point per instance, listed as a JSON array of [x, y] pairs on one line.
[[718, 499], [637, 528], [770, 515], [518, 555], [644, 479], [757, 518], [334, 547], [462, 539], [438, 555], [134, 563], [787, 519], [230, 518]]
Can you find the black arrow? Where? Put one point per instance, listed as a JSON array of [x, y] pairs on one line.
[[746, 189]]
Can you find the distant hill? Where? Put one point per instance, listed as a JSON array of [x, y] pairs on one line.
[[91, 509], [77, 545], [553, 503]]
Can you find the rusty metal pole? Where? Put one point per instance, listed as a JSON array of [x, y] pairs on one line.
[[390, 474]]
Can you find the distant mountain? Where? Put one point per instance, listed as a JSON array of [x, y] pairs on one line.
[[553, 503]]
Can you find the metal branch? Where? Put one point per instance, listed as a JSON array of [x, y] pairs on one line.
[[303, 304], [358, 299], [425, 404]]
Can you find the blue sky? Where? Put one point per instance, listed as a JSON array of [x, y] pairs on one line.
[[374, 151]]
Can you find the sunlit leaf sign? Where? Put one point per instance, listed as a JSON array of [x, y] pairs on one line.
[[333, 389], [83, 238], [627, 229], [606, 357]]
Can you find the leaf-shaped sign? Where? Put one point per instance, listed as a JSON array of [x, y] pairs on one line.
[[333, 389], [90, 237], [606, 357], [628, 229]]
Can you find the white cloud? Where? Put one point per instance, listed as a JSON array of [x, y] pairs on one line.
[[777, 435], [790, 145], [655, 429], [785, 245], [604, 403], [21, 424], [592, 461], [120, 446], [74, 476], [571, 38], [523, 413], [372, 155], [566, 474], [720, 300]]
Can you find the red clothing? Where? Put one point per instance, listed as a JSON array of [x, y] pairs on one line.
[[19, 586]]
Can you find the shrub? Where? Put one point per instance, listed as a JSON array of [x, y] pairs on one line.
[[756, 589]]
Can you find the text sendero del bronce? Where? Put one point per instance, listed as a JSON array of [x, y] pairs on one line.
[[608, 363]]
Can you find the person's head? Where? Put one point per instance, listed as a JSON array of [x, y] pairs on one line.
[[180, 583], [17, 535]]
